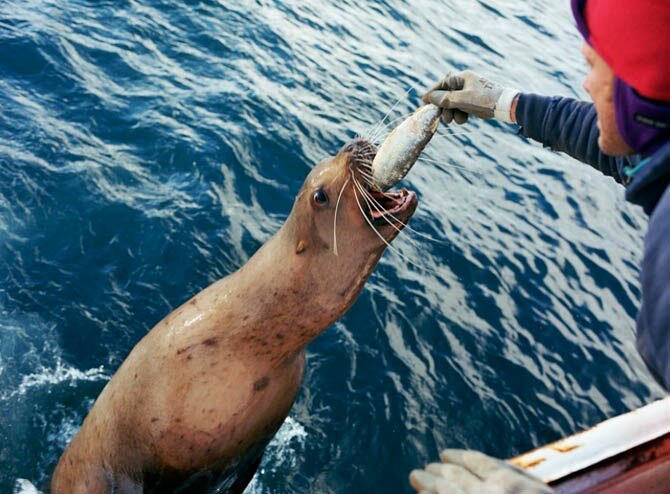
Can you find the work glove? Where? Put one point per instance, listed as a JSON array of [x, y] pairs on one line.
[[463, 93], [471, 472]]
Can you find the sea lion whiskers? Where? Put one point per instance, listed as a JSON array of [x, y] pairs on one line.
[[373, 203], [365, 216], [388, 244], [369, 180], [365, 174], [367, 177], [365, 155], [364, 144], [401, 98], [367, 194], [379, 133], [337, 205], [365, 165], [366, 161]]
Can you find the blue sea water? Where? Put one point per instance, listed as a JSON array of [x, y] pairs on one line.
[[149, 147]]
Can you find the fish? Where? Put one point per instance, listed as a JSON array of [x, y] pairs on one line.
[[403, 146]]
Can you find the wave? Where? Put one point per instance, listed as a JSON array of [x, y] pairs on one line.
[[24, 486], [281, 454], [52, 376]]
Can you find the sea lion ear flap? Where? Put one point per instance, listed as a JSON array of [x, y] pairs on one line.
[[300, 248]]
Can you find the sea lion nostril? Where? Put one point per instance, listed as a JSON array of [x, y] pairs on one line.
[[357, 146]]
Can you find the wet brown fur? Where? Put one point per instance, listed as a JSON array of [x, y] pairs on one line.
[[209, 385]]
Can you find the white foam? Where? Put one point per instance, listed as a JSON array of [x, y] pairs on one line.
[[24, 486], [62, 434], [282, 449], [50, 376], [281, 453]]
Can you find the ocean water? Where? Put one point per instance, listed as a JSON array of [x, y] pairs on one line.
[[148, 148]]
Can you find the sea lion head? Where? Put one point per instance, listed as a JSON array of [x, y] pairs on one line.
[[340, 224]]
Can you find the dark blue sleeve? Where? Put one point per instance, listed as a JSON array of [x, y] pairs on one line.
[[568, 125]]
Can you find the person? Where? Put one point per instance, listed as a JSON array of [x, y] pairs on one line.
[[624, 133]]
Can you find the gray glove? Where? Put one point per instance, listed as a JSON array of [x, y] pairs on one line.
[[468, 93], [471, 472]]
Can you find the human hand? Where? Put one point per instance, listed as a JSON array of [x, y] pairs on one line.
[[463, 93], [471, 472]]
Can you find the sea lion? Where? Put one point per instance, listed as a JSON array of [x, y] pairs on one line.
[[194, 404]]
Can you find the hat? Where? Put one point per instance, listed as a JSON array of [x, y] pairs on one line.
[[633, 37]]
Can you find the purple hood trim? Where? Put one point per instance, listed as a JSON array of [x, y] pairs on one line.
[[644, 124]]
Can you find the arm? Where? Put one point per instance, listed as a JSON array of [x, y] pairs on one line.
[[562, 124], [568, 125]]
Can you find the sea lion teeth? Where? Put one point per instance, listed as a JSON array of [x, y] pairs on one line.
[[390, 204]]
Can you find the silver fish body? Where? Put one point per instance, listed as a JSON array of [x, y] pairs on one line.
[[402, 147]]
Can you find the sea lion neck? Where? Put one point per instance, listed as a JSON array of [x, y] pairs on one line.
[[277, 314]]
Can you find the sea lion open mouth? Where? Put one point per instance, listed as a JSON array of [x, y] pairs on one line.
[[382, 208], [391, 204]]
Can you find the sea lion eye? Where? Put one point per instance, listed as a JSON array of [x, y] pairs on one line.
[[320, 198]]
